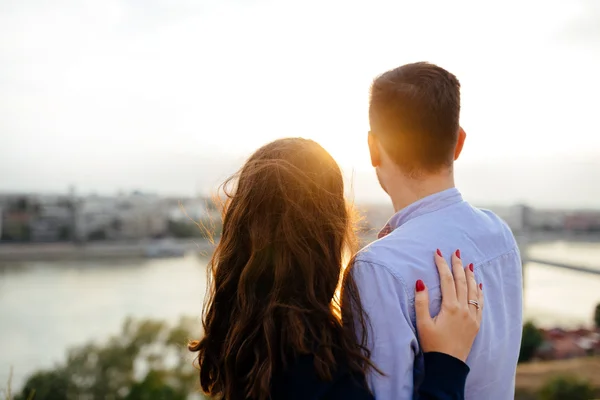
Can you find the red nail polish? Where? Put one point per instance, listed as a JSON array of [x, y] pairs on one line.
[[439, 253], [458, 253], [481, 286], [420, 286], [471, 267]]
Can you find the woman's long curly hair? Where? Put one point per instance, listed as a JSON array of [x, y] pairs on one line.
[[275, 274]]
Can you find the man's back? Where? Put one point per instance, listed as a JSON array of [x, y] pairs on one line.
[[387, 270]]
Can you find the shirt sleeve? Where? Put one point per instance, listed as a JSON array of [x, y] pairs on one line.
[[392, 337], [445, 378]]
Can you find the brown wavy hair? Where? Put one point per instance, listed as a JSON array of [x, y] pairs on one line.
[[275, 272]]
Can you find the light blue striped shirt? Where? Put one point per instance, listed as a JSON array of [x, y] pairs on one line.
[[386, 272]]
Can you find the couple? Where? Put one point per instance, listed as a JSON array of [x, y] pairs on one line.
[[287, 320]]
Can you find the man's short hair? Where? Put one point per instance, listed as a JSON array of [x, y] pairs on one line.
[[414, 111]]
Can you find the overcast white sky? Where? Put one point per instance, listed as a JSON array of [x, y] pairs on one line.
[[168, 95]]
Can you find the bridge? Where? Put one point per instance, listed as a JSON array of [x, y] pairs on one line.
[[565, 266], [527, 238]]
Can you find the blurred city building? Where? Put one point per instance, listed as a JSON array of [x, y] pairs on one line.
[[124, 217], [137, 215]]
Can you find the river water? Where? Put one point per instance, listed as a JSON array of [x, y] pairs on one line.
[[47, 307]]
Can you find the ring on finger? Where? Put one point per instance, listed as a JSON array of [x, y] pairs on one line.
[[475, 303]]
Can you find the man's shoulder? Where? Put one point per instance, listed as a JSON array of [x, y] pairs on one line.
[[492, 217], [409, 248], [497, 227], [397, 256], [381, 251]]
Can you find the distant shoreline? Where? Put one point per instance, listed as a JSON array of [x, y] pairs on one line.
[[101, 250], [23, 252], [59, 251]]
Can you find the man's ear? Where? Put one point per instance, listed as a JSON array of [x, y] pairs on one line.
[[459, 143], [374, 150]]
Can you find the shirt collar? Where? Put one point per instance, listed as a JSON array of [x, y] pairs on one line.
[[420, 207]]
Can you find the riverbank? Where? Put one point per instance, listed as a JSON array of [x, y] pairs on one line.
[[90, 251], [24, 252]]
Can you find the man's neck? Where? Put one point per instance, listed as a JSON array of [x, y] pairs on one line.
[[406, 191]]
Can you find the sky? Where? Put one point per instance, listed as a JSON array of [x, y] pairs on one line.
[[170, 96]]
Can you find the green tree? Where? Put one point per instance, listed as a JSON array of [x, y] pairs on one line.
[[147, 360], [597, 316], [566, 387], [46, 385], [531, 341]]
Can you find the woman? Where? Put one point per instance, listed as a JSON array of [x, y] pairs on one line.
[[273, 326]]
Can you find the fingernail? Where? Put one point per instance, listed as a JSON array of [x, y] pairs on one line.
[[420, 286], [458, 253], [481, 286], [471, 267], [439, 253]]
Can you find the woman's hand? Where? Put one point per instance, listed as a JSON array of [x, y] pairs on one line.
[[454, 329]]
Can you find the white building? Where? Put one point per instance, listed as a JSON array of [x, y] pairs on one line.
[[134, 216], [94, 215]]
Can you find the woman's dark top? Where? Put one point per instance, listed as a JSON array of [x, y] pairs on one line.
[[445, 378]]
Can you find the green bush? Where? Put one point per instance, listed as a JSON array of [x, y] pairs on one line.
[[147, 360], [566, 387], [532, 340]]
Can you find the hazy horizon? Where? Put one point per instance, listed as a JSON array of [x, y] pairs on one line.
[[541, 183], [170, 96]]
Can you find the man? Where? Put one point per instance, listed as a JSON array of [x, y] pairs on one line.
[[414, 140]]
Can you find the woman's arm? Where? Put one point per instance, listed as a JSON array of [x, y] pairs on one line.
[[447, 338], [445, 378]]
